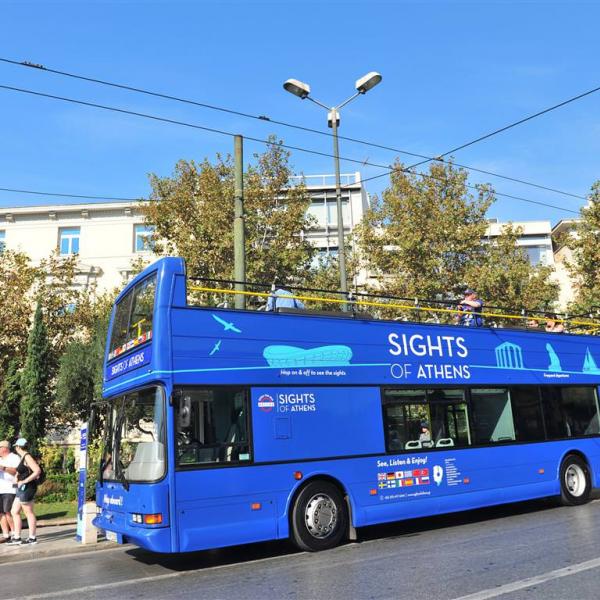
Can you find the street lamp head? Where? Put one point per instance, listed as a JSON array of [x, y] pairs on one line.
[[370, 80], [293, 86]]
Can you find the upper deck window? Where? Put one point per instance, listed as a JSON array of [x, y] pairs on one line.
[[132, 324]]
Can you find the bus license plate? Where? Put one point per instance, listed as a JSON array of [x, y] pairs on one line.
[[112, 536]]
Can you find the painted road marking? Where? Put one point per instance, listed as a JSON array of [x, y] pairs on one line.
[[530, 581]]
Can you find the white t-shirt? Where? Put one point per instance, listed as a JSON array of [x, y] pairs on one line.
[[6, 480]]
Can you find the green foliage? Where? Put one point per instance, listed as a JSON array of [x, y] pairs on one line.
[[52, 457], [504, 276], [423, 239], [10, 401], [585, 265], [193, 212], [34, 382], [79, 381], [58, 488]]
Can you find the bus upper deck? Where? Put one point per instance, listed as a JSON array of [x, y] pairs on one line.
[[165, 337]]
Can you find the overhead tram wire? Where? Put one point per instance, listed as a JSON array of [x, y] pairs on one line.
[[65, 195], [467, 185], [510, 126], [253, 139], [264, 118]]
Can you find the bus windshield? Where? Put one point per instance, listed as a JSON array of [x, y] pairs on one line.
[[134, 450], [132, 323]]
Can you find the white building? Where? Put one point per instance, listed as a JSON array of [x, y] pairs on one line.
[[535, 239], [106, 236], [109, 236]]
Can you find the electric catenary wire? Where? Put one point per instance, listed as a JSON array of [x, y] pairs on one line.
[[290, 125], [511, 125], [258, 140]]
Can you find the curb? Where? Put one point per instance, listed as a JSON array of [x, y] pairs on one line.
[[56, 523], [37, 553]]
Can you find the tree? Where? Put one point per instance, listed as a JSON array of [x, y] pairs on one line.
[[585, 264], [34, 382], [17, 279], [193, 214], [10, 400], [423, 239], [505, 277], [79, 381]]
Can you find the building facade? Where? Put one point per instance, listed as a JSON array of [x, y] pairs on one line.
[[106, 236], [535, 238], [109, 236]]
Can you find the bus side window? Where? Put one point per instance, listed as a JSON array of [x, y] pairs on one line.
[[527, 412], [405, 411], [493, 415], [570, 411], [449, 418], [212, 426]]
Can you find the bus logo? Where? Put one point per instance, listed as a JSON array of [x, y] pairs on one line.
[[266, 403]]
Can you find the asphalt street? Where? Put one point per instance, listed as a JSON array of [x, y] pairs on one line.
[[531, 550]]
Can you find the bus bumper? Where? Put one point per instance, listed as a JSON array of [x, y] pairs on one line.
[[155, 539]]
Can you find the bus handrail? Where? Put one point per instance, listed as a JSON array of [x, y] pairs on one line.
[[369, 303]]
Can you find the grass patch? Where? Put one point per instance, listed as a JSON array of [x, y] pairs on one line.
[[48, 511]]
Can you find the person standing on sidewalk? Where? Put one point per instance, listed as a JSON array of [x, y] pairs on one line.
[[27, 472], [8, 470]]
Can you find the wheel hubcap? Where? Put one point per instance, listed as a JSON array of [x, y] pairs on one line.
[[575, 480], [321, 516]]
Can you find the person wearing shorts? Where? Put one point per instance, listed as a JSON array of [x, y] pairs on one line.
[[8, 470], [27, 472]]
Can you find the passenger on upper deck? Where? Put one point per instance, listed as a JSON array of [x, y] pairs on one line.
[[552, 325], [281, 297], [470, 308]]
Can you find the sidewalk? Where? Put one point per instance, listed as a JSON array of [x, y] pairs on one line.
[[55, 540]]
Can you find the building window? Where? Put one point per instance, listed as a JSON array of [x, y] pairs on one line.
[[68, 241], [143, 238], [2, 240], [538, 255]]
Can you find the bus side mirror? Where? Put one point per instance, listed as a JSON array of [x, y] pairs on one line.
[[184, 412]]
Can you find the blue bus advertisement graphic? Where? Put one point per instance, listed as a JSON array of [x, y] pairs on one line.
[[233, 426]]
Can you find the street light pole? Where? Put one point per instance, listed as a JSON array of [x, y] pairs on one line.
[[302, 90], [334, 120]]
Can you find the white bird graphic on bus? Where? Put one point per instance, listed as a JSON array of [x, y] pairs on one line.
[[227, 326]]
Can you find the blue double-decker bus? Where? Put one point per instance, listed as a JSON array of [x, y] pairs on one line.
[[230, 426]]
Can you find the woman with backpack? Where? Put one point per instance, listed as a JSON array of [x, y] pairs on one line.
[[28, 472]]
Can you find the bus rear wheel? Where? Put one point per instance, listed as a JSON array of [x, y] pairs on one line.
[[319, 517], [575, 481]]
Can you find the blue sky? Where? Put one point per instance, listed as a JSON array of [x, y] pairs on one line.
[[451, 71]]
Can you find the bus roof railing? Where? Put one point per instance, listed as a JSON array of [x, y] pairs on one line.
[[365, 300]]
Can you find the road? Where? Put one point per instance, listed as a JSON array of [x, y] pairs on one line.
[[530, 550]]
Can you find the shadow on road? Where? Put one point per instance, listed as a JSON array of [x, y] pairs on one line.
[[409, 528]]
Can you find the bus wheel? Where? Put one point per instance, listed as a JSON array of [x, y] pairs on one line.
[[575, 483], [319, 517]]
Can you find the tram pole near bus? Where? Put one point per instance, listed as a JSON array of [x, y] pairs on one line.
[[302, 90], [239, 235]]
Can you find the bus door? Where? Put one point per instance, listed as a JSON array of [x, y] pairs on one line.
[[218, 495]]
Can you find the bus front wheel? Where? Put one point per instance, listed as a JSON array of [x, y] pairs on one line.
[[319, 517], [575, 481]]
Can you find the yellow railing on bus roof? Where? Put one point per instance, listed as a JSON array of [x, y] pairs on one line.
[[391, 305]]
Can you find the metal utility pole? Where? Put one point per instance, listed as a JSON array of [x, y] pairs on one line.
[[239, 234]]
